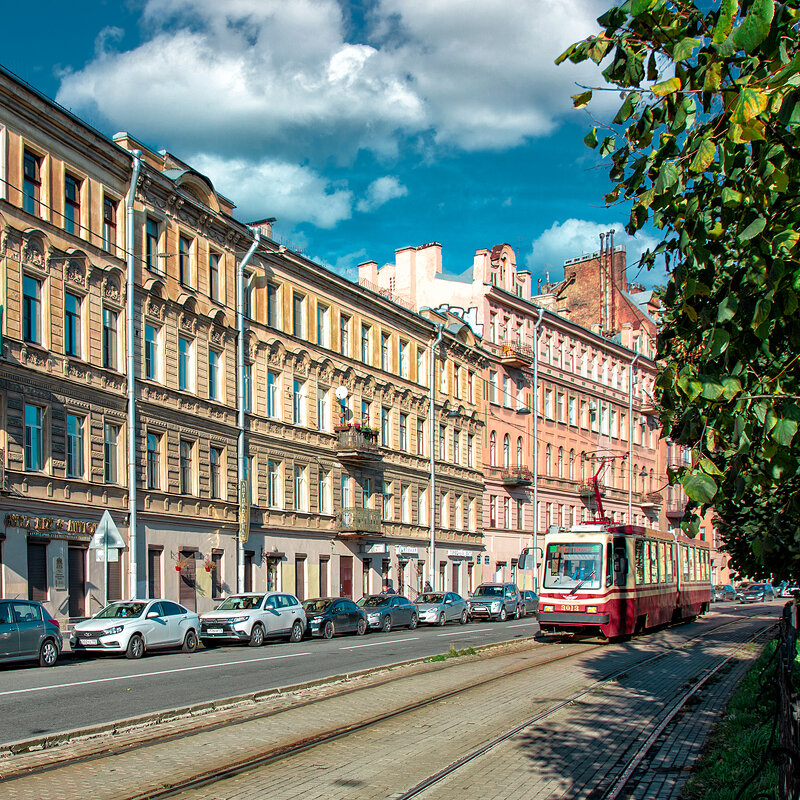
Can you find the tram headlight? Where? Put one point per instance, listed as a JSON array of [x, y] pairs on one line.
[[591, 609], [547, 608]]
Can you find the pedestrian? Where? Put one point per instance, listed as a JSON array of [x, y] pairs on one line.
[[427, 587], [387, 588]]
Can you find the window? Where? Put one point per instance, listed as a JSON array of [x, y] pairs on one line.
[[493, 449], [273, 484], [249, 477], [72, 325], [186, 471], [520, 396], [548, 460], [153, 460], [111, 452], [520, 515], [561, 463], [366, 335], [492, 511], [366, 492], [214, 374], [31, 309], [388, 498], [573, 414], [492, 386], [456, 447], [421, 380], [109, 223], [364, 412], [215, 472], [214, 275], [385, 355], [344, 334], [560, 405], [299, 403], [110, 338], [471, 387], [273, 310], [247, 297], [301, 488], [548, 403], [273, 407], [420, 437], [75, 446], [506, 391], [506, 451], [324, 491], [470, 450], [185, 272], [323, 334], [519, 451], [72, 204], [405, 366], [323, 409], [31, 182], [247, 386], [152, 360], [443, 376], [422, 507], [404, 432], [506, 512], [405, 503], [442, 442], [151, 237], [344, 485], [385, 427], [185, 364], [572, 465], [34, 438], [298, 316], [459, 506]]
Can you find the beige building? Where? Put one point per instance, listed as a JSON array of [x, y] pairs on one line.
[[342, 459]]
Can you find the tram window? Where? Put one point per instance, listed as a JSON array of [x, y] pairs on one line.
[[692, 555], [653, 563], [620, 563], [684, 555], [668, 562], [639, 562], [609, 564], [662, 571], [573, 565], [647, 563]]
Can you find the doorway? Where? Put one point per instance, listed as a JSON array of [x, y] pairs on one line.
[[187, 591], [77, 581], [346, 576]]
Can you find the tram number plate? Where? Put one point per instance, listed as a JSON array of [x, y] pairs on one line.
[[569, 608]]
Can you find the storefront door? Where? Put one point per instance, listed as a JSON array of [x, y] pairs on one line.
[[346, 576], [77, 581]]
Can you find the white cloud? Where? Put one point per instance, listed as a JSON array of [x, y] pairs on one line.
[[274, 188], [576, 237], [381, 191]]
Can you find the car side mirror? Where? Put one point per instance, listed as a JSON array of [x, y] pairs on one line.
[[152, 614], [269, 607]]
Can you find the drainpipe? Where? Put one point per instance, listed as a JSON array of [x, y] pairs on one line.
[[432, 417], [240, 396], [630, 440], [536, 451], [133, 585]]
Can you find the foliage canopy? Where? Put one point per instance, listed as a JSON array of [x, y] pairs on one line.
[[706, 146]]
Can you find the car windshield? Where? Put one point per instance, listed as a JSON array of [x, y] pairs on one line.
[[430, 598], [489, 591], [756, 587], [372, 602], [239, 603], [317, 605], [122, 611], [573, 566]]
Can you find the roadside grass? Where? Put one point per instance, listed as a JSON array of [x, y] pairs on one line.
[[453, 653], [738, 745]]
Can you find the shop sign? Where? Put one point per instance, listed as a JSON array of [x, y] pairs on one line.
[[375, 549], [59, 574], [406, 550], [244, 511], [485, 559], [461, 554], [55, 528]]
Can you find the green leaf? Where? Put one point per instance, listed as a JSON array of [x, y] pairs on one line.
[[638, 7], [590, 140], [785, 240], [599, 48], [784, 431], [685, 48], [699, 487], [704, 156], [667, 177], [582, 99], [627, 108], [711, 390], [709, 467], [666, 87], [755, 27], [731, 387], [753, 229], [761, 313], [566, 54], [727, 308], [750, 103], [608, 146], [727, 14], [719, 342], [712, 80], [730, 197]]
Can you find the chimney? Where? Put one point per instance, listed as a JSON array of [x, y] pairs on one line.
[[264, 225]]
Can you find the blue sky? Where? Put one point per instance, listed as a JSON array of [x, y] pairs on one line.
[[362, 126]]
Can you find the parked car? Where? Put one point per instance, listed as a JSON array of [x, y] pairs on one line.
[[530, 603], [758, 592], [495, 601], [724, 591], [28, 633], [133, 627], [786, 589], [387, 611], [253, 617], [328, 616], [437, 608]]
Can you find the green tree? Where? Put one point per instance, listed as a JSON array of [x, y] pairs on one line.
[[706, 147]]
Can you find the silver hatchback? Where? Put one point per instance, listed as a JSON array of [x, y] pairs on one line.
[[28, 633], [437, 608]]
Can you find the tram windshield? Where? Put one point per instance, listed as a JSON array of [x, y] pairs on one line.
[[573, 566]]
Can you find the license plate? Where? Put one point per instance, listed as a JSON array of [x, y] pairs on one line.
[[569, 608], [89, 641], [214, 630]]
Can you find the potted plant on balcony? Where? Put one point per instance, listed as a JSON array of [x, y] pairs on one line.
[[209, 565], [180, 563]]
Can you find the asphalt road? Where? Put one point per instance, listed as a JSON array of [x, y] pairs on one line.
[[82, 691]]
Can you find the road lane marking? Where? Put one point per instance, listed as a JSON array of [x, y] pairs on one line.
[[465, 633], [521, 624], [375, 644], [149, 674]]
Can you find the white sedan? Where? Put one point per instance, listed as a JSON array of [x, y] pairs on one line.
[[135, 626]]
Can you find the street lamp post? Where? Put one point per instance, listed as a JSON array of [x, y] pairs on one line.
[[536, 451], [630, 439], [432, 437]]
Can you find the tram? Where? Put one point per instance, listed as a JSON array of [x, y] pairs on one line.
[[609, 580]]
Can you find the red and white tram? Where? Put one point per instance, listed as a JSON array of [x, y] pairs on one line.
[[614, 580]]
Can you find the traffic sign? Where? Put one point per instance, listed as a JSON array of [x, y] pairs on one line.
[[106, 535]]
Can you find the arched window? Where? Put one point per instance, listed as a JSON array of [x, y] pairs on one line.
[[492, 449], [560, 462], [572, 465], [548, 460], [519, 451], [652, 480], [506, 451], [634, 481], [583, 470], [611, 476]]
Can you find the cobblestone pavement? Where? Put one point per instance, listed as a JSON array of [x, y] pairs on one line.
[[563, 756]]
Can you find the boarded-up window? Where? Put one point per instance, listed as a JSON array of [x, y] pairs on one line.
[[115, 580]]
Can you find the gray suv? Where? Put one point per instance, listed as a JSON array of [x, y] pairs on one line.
[[496, 601], [28, 633]]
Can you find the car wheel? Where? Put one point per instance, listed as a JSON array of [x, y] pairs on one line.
[[48, 653], [327, 631], [386, 623], [464, 619], [413, 623], [296, 633], [361, 628], [441, 619], [257, 635], [503, 614], [135, 648], [189, 642]]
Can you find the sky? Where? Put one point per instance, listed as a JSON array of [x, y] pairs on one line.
[[362, 126]]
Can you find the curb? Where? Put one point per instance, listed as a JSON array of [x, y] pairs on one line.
[[152, 719]]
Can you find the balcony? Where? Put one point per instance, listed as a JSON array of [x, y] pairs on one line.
[[676, 508], [354, 522], [515, 354], [649, 409], [651, 500], [517, 476], [358, 445]]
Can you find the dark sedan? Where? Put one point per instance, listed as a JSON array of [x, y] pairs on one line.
[[328, 616], [757, 593], [530, 602], [387, 611]]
